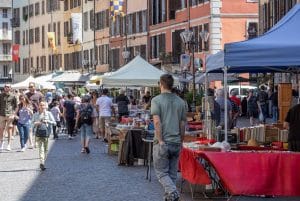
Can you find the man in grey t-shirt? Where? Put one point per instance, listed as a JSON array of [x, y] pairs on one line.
[[169, 116]]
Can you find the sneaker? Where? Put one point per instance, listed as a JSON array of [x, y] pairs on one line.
[[70, 137], [8, 147], [87, 150], [42, 167], [30, 147], [2, 146], [23, 149]]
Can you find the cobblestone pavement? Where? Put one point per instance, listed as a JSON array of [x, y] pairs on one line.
[[72, 176]]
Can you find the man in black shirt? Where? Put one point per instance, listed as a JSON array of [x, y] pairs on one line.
[[122, 102], [292, 122]]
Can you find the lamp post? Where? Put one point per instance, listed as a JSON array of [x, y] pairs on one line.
[[187, 38], [125, 55]]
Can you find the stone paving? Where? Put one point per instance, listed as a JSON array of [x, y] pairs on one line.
[[72, 176]]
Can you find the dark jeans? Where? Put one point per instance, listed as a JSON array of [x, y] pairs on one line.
[[70, 126], [24, 133], [264, 110]]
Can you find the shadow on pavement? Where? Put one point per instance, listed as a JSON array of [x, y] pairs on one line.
[[72, 176]]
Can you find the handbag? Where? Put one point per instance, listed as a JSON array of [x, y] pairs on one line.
[[42, 130], [15, 121]]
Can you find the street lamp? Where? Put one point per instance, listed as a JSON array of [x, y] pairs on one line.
[[187, 38], [125, 55]]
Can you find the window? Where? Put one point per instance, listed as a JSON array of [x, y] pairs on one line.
[[43, 36], [16, 17], [5, 29], [25, 13], [252, 30], [85, 21], [5, 70], [24, 38], [6, 48], [27, 37], [17, 67], [66, 29], [31, 10], [114, 58], [37, 34], [157, 45], [17, 37], [31, 36], [66, 5], [157, 11], [4, 13], [58, 33], [91, 19], [37, 8], [43, 7], [37, 62]]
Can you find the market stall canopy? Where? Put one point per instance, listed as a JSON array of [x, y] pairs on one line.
[[276, 50], [213, 77], [71, 76], [38, 83], [137, 72]]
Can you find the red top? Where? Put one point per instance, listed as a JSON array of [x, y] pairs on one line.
[[236, 100]]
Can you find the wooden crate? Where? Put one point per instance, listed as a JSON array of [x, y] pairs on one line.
[[284, 100]]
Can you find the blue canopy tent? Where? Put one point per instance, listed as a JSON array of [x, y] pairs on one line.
[[277, 50]]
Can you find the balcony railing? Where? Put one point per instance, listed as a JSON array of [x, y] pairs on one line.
[[5, 36], [5, 57]]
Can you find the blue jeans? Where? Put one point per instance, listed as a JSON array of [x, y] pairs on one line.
[[24, 133], [86, 131], [165, 161], [264, 110], [275, 113]]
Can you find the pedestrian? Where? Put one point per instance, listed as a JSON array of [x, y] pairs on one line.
[[84, 121], [220, 98], [236, 108], [24, 114], [42, 122], [122, 102], [252, 107], [8, 105], [96, 128], [292, 123], [169, 116], [35, 97], [274, 99], [105, 109], [56, 114], [262, 102], [69, 113]]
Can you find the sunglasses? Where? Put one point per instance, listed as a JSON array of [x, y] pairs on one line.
[[30, 86], [6, 86]]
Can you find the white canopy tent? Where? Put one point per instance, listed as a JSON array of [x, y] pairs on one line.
[[41, 84], [137, 72]]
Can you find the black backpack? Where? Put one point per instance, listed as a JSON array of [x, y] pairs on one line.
[[85, 115]]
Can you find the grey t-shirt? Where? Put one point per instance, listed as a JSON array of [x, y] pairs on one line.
[[171, 110]]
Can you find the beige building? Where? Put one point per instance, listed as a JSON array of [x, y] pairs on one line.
[[6, 63]]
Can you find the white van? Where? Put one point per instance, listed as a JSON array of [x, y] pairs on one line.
[[242, 90]]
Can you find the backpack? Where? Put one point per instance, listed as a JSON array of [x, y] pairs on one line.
[[85, 115], [42, 130]]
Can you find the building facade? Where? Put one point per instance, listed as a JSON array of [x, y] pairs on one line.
[[150, 28], [271, 11], [5, 42], [213, 22]]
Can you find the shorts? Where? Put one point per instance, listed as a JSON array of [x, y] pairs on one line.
[[86, 131], [103, 121], [6, 121]]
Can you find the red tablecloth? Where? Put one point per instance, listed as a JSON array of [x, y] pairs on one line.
[[248, 173]]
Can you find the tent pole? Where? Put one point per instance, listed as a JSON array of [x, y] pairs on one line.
[[206, 106], [225, 105]]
